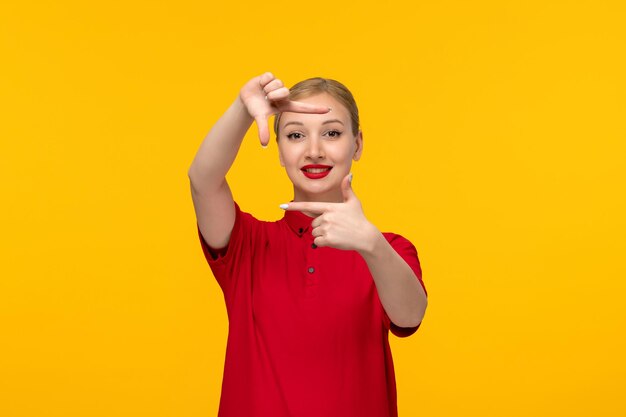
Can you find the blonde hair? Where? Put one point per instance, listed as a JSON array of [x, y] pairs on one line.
[[318, 85]]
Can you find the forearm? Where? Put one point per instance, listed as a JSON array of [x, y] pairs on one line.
[[399, 290], [220, 147]]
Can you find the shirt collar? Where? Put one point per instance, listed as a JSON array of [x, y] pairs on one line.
[[299, 222]]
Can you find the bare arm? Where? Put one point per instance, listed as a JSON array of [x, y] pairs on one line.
[[212, 198], [258, 99], [344, 226], [400, 292]]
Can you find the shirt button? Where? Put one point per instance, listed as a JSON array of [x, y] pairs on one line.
[[311, 270], [313, 245]]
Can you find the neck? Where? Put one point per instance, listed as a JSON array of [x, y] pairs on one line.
[[333, 196]]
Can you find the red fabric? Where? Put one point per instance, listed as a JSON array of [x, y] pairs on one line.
[[300, 343]]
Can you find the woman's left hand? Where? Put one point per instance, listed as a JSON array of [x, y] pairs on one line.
[[340, 225]]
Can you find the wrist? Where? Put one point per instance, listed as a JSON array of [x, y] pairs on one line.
[[241, 108], [371, 241]]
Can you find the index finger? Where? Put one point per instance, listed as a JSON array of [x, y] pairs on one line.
[[299, 107], [312, 206]]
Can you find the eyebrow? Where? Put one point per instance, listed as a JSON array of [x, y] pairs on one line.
[[302, 124]]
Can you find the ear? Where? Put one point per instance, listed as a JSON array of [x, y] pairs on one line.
[[359, 146]]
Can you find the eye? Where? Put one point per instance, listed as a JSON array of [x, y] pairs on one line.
[[291, 135], [334, 133]]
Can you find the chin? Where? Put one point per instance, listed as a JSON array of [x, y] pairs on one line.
[[319, 192], [315, 190]]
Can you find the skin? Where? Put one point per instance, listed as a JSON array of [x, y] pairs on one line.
[[339, 219], [210, 191], [316, 142]]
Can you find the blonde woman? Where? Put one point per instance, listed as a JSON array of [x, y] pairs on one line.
[[311, 297]]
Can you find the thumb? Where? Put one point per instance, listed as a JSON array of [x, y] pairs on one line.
[[346, 188], [264, 133]]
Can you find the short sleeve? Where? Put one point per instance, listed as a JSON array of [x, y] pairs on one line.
[[229, 262], [408, 252]]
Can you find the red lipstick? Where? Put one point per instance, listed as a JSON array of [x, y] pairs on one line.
[[316, 171]]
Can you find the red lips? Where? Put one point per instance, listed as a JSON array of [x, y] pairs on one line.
[[316, 175]]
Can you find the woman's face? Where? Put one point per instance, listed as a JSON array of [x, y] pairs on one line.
[[317, 149]]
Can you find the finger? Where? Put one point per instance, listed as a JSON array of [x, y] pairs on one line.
[[310, 206], [265, 78], [264, 131], [279, 94], [346, 188], [299, 107], [317, 221], [316, 232], [320, 241], [273, 85]]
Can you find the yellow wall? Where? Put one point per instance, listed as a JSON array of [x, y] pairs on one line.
[[494, 140]]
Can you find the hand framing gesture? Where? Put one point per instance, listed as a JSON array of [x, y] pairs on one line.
[[266, 95], [339, 225]]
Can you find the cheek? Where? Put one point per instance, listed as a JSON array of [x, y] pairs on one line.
[[290, 155], [343, 154], [288, 160]]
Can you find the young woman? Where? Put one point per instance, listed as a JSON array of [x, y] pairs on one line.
[[311, 298]]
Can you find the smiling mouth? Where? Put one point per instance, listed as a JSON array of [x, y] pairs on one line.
[[316, 170]]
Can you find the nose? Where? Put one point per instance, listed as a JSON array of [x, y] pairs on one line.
[[315, 150]]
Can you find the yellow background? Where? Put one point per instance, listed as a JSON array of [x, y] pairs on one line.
[[494, 140]]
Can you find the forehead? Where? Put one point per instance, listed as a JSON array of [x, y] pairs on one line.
[[324, 99]]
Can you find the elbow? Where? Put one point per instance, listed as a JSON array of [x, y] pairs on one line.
[[413, 315], [205, 176], [411, 321], [198, 171], [416, 319], [194, 179], [192, 182], [191, 172], [422, 312], [408, 324]]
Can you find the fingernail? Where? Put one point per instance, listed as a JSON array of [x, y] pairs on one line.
[[350, 178], [284, 206]]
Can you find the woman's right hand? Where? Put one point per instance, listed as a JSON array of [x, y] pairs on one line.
[[266, 95]]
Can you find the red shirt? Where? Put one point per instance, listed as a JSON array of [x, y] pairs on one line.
[[308, 335]]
